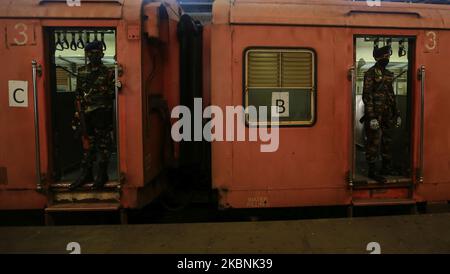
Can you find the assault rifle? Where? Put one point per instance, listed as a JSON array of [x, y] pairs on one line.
[[79, 121]]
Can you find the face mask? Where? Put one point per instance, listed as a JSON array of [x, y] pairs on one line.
[[95, 58], [383, 62]]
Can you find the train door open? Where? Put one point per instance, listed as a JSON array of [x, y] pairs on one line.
[[67, 55], [401, 64]]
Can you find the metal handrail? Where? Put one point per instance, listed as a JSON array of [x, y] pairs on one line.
[[422, 118], [34, 65], [352, 76], [116, 85]]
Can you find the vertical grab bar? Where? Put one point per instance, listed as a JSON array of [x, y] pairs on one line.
[[34, 65], [116, 86], [352, 76], [422, 118]]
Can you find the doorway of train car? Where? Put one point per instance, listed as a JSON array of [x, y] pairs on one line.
[[67, 56], [401, 65]]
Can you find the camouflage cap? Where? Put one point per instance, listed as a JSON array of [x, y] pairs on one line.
[[379, 52], [95, 45]]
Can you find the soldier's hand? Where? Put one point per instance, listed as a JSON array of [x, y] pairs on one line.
[[76, 121], [374, 124], [399, 122]]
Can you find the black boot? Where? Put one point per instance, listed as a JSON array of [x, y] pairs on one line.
[[102, 177], [84, 178], [374, 174]]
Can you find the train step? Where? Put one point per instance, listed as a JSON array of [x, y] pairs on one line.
[[382, 202], [377, 202], [62, 194], [362, 182], [64, 186], [83, 207]]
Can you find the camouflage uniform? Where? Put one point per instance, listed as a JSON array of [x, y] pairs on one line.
[[96, 91], [379, 103], [97, 88]]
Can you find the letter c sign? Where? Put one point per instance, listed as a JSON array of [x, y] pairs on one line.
[[18, 93]]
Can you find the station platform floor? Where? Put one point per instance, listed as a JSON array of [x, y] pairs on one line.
[[420, 233]]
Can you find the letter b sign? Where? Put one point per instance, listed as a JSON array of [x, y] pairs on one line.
[[280, 100]]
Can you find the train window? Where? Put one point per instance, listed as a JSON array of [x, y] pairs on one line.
[[70, 55], [62, 80], [284, 78]]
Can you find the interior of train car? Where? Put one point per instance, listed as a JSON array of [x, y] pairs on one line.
[[401, 62], [67, 55]]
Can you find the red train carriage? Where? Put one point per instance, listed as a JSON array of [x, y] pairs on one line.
[[309, 56], [312, 56], [42, 48]]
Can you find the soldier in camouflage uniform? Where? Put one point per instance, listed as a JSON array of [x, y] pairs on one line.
[[381, 114], [96, 90]]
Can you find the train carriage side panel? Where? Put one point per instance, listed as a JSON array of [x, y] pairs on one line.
[[152, 64], [23, 42], [160, 68], [221, 96], [311, 164], [172, 66], [435, 52], [17, 172]]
